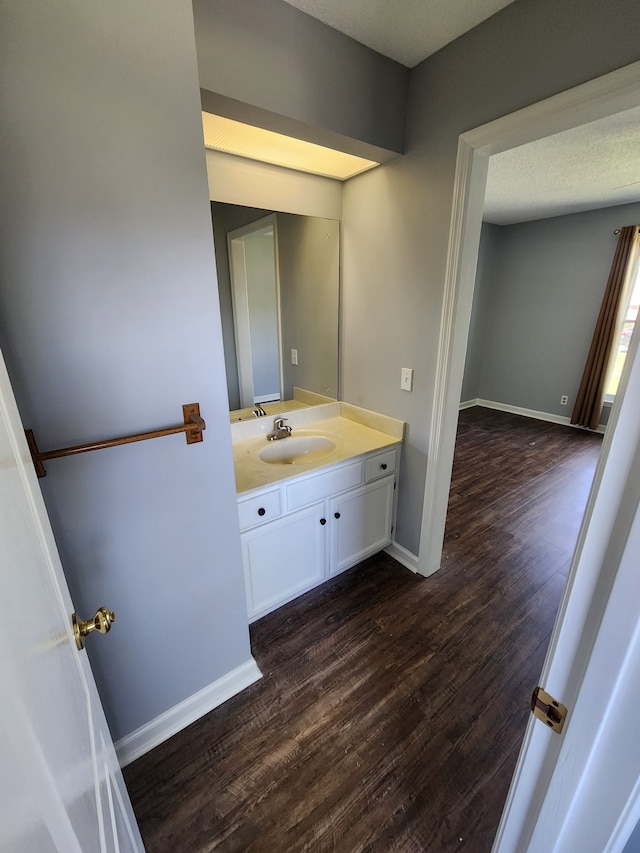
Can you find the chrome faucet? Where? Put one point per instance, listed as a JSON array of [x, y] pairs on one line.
[[279, 430], [258, 412]]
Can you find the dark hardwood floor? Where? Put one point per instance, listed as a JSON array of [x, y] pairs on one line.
[[392, 707]]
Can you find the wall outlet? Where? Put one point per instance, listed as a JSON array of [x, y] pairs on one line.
[[406, 379], [564, 400], [294, 356]]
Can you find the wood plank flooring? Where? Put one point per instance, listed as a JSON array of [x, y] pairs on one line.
[[392, 707]]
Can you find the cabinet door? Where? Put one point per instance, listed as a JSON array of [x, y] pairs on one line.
[[284, 558], [360, 523]]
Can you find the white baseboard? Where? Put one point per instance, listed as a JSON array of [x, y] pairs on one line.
[[401, 555], [527, 413], [170, 722], [469, 404]]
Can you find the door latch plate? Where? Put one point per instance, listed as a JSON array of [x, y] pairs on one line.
[[544, 707]]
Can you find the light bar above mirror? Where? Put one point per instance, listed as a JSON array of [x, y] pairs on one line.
[[256, 143]]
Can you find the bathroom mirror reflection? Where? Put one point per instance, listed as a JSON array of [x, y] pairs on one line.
[[278, 281]]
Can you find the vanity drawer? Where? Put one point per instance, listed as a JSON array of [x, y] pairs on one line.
[[322, 486], [257, 510], [380, 465]]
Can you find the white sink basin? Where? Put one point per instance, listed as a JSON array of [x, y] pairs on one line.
[[297, 450]]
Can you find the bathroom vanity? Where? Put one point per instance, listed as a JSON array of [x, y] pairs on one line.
[[316, 503]]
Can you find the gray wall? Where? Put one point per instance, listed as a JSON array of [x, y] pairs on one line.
[[309, 256], [271, 55], [538, 301], [109, 322], [396, 218]]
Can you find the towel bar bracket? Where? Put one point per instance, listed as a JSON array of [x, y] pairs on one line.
[[191, 414]]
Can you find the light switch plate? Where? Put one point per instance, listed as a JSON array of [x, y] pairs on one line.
[[294, 356], [406, 379]]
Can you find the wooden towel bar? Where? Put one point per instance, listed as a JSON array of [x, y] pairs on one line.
[[193, 427]]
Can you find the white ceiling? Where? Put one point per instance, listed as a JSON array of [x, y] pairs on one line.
[[594, 166], [405, 30]]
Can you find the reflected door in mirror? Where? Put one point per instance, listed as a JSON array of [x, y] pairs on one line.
[[256, 307]]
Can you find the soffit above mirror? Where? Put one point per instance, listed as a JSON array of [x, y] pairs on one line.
[[257, 134]]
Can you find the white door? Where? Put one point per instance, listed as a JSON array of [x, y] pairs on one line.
[[61, 788]]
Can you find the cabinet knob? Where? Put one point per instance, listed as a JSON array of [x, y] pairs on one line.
[[384, 466], [323, 521], [261, 511], [336, 515]]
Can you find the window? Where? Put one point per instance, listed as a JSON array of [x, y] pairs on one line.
[[626, 329]]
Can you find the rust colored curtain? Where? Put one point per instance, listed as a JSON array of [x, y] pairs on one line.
[[589, 401]]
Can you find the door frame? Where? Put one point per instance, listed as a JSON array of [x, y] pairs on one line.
[[582, 608]]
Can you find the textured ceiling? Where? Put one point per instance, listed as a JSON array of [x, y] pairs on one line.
[[405, 30], [595, 165]]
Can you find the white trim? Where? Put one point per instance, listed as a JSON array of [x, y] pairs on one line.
[[469, 404], [549, 417], [402, 555], [593, 100], [170, 722], [462, 260]]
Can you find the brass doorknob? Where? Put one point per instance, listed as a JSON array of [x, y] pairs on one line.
[[101, 622]]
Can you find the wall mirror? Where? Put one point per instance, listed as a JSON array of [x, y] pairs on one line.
[[278, 281]]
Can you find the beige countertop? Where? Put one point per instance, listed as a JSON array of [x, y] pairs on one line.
[[352, 438]]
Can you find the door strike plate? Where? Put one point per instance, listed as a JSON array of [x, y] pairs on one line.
[[544, 707]]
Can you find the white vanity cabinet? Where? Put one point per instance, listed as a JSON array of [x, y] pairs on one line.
[[360, 524], [308, 528], [284, 558]]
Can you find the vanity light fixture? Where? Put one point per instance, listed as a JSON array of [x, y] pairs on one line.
[[256, 143]]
